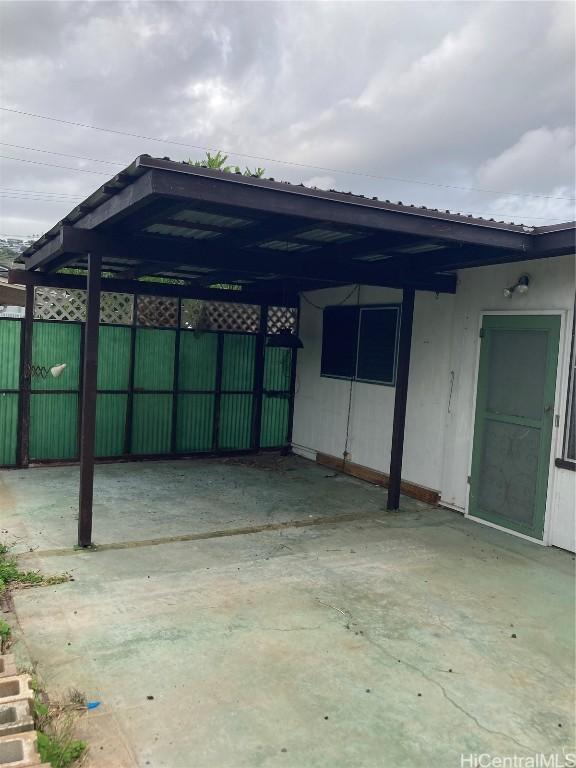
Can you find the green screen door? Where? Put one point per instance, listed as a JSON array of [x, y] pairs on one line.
[[514, 421]]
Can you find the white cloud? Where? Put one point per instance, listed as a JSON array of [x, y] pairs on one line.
[[463, 94]]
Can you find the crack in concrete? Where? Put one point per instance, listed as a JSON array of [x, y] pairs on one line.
[[433, 681]]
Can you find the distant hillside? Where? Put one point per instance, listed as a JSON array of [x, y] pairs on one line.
[[10, 248]]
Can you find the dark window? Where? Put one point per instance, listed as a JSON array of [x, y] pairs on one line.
[[340, 342], [360, 343], [570, 450], [377, 345]]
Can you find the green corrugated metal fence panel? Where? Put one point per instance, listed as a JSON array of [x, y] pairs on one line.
[[195, 423], [197, 361], [9, 354], [238, 362], [8, 427], [235, 431], [154, 363], [274, 430], [53, 344], [113, 357], [277, 368], [9, 379], [54, 426], [151, 423], [110, 424]]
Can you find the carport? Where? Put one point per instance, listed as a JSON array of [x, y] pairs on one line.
[[222, 237]]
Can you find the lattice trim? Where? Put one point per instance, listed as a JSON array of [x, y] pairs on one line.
[[280, 318], [159, 311], [220, 316], [59, 304], [70, 305], [116, 308]]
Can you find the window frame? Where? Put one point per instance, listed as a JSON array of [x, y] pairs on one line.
[[569, 462], [397, 307]]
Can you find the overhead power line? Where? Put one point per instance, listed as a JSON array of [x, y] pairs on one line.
[[53, 165], [292, 163], [63, 154], [41, 192]]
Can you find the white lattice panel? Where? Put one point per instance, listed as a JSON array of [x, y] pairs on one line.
[[116, 308], [220, 316], [157, 311], [70, 305], [59, 304], [280, 318]]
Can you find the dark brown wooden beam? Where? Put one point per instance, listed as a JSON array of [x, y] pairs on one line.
[[557, 241], [88, 417], [23, 457], [301, 266], [400, 400], [112, 285], [289, 200]]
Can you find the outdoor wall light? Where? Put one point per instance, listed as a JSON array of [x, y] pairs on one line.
[[520, 287], [57, 370], [285, 338]]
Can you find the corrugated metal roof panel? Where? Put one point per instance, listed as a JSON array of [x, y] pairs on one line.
[[186, 232], [319, 235], [211, 219]]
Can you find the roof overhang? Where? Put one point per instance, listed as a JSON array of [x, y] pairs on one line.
[[263, 237]]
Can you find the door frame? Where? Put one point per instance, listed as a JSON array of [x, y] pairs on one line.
[[561, 386]]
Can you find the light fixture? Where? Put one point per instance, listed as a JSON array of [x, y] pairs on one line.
[[57, 370], [520, 287], [284, 338]]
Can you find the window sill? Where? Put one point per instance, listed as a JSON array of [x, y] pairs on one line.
[[566, 464]]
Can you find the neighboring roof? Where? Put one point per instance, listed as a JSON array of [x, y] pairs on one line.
[[11, 295], [177, 220]]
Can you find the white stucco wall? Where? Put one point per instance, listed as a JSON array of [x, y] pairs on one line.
[[442, 385]]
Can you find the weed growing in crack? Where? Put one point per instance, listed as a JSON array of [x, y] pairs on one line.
[[55, 727], [11, 575]]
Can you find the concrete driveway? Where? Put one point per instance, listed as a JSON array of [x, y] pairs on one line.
[[361, 639]]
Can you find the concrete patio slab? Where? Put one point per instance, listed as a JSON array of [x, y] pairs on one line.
[[392, 639]]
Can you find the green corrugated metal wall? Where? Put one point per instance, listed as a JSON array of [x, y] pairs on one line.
[[9, 380], [215, 409], [114, 378], [54, 402], [276, 397]]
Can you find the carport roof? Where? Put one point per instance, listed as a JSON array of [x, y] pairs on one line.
[[206, 227]]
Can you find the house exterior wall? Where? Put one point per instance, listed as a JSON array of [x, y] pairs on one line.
[[442, 385]]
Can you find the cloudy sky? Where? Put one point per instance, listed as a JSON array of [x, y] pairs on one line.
[[451, 105]]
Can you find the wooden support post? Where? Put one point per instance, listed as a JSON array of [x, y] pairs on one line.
[[260, 351], [23, 458], [89, 383], [400, 399]]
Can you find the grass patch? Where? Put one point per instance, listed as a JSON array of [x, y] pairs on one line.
[[55, 727], [5, 635], [12, 575]]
